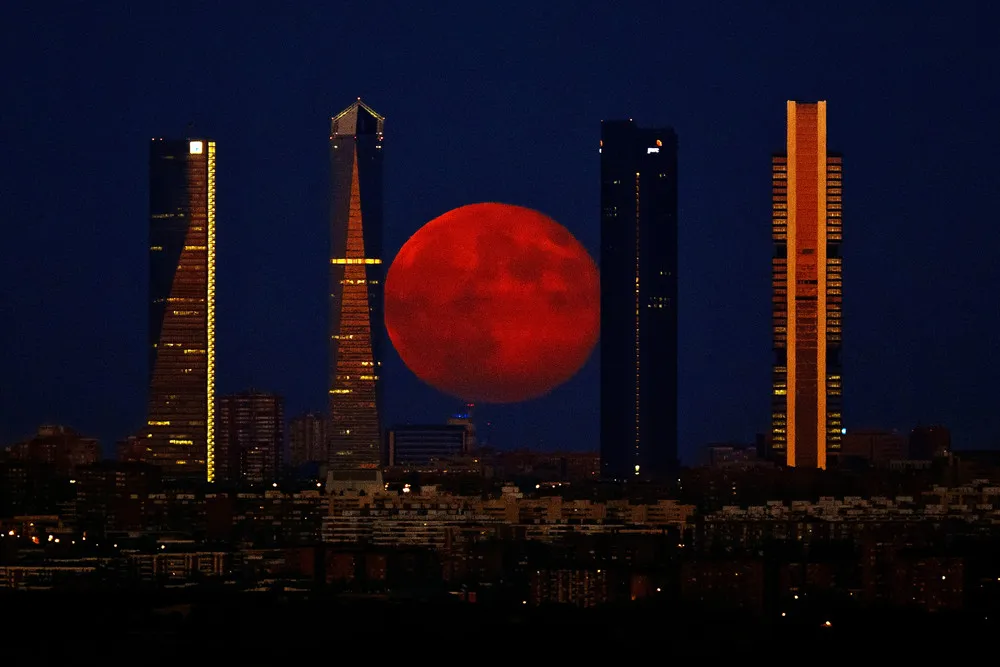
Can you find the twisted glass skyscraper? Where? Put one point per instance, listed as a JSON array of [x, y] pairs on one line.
[[179, 434]]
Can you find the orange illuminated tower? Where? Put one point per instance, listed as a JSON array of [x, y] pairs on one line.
[[356, 277], [180, 431], [807, 291]]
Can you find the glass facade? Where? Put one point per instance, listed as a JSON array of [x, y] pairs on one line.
[[179, 433], [638, 301], [356, 279], [807, 292]]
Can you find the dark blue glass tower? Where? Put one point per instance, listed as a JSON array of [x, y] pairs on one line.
[[638, 301]]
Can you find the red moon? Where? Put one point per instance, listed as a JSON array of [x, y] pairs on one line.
[[493, 303]]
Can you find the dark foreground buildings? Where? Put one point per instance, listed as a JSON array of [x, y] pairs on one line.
[[356, 277], [180, 429], [806, 420], [638, 301]]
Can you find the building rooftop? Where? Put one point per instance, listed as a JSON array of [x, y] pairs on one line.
[[359, 118]]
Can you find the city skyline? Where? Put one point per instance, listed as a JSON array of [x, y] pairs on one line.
[[474, 132], [586, 351]]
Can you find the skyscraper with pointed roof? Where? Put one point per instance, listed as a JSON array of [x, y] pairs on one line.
[[356, 278]]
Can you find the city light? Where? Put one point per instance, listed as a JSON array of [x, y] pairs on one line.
[[891, 530]]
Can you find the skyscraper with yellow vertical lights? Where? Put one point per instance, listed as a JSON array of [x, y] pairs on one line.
[[356, 277], [806, 421], [180, 430]]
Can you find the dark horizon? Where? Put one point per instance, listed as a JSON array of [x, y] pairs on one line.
[[497, 104]]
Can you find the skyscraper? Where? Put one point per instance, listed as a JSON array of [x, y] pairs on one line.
[[638, 301], [251, 437], [806, 298], [180, 430], [356, 277]]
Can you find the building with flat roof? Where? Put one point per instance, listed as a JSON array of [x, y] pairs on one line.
[[421, 444], [807, 292], [180, 426], [638, 301]]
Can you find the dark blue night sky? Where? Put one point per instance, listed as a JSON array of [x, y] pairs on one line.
[[500, 102]]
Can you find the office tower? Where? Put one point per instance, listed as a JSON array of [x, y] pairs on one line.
[[806, 291], [180, 431], [356, 277], [251, 437], [638, 301], [421, 444], [307, 439]]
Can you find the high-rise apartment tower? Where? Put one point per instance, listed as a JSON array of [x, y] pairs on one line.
[[806, 422], [307, 439], [251, 437]]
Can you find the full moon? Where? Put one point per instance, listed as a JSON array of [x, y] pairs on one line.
[[493, 303]]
